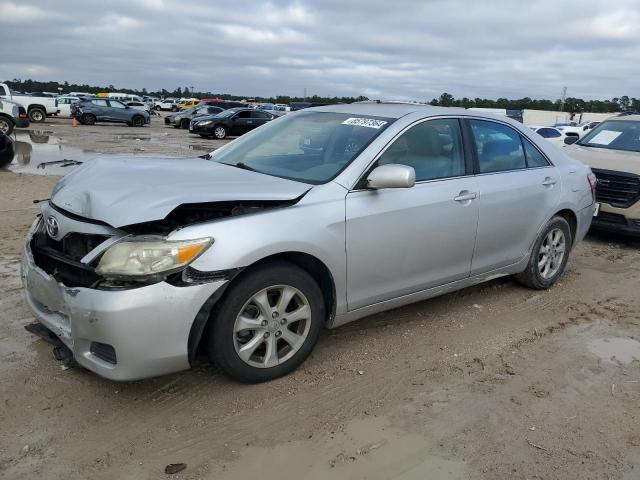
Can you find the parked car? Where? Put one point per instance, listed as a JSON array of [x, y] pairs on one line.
[[138, 106], [317, 219], [576, 130], [167, 104], [6, 149], [183, 119], [37, 107], [64, 104], [12, 115], [188, 103], [612, 149], [234, 122], [224, 104], [552, 134], [88, 112]]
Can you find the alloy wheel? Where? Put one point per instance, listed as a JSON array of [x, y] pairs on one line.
[[272, 326], [220, 132], [551, 253]]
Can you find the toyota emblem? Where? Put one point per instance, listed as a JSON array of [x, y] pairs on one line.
[[52, 227]]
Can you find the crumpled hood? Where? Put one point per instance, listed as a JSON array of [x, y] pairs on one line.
[[605, 159], [124, 191]]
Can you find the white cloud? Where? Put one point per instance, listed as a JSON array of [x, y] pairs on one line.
[[19, 13]]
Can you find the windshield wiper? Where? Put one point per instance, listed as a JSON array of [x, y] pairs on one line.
[[244, 166]]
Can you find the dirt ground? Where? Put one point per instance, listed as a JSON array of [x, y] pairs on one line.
[[493, 382]]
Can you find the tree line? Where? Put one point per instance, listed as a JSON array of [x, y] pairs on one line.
[[571, 104]]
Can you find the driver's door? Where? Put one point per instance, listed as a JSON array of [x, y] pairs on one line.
[[404, 240], [241, 122]]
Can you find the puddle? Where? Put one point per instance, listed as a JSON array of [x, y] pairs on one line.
[[33, 148], [365, 449], [624, 350]]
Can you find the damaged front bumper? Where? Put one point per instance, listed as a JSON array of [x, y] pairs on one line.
[[120, 334]]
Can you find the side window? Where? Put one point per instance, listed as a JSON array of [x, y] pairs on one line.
[[498, 146], [549, 133], [433, 148], [534, 157], [244, 114], [257, 114], [100, 103], [115, 104]]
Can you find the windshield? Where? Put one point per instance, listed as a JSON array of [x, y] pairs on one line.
[[614, 135], [310, 147]]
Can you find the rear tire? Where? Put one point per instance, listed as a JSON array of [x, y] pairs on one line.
[[549, 256], [37, 115], [88, 119], [6, 126], [284, 333]]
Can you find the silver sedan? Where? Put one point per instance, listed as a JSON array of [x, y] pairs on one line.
[[318, 218]]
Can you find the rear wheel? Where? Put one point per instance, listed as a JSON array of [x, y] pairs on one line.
[[37, 115], [267, 323], [174, 109], [88, 119], [220, 132], [6, 126], [549, 256]]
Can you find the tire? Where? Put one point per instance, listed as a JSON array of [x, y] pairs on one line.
[[6, 126], [544, 269], [137, 121], [37, 115], [88, 119], [226, 337], [157, 108], [220, 132], [185, 123]]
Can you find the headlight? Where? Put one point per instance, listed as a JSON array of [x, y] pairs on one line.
[[148, 257], [204, 122]]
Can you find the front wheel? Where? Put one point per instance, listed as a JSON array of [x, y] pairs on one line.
[[137, 121], [220, 132], [185, 123], [37, 115], [267, 323], [6, 126], [549, 256]]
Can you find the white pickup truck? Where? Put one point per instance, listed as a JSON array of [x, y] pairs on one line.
[[12, 115], [37, 107]]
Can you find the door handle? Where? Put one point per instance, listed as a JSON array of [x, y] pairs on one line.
[[465, 196], [548, 182]]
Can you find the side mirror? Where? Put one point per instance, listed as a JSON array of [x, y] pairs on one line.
[[392, 175], [570, 139]]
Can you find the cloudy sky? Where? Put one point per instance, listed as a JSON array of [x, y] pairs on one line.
[[383, 49]]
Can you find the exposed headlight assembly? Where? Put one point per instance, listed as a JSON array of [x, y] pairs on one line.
[[149, 257]]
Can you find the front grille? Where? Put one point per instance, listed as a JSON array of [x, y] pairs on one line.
[[61, 259], [619, 189]]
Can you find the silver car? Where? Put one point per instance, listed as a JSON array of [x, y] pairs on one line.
[[318, 218]]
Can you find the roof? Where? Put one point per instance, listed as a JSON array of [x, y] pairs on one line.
[[632, 118], [389, 110]]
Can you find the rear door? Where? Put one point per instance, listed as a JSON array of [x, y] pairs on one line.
[[519, 189], [100, 109], [259, 118]]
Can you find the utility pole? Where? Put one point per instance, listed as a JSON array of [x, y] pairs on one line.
[[305, 93], [563, 98]]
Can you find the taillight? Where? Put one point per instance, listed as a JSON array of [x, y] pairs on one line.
[[593, 181]]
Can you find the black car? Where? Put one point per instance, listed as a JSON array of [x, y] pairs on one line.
[[183, 118], [6, 150], [234, 122]]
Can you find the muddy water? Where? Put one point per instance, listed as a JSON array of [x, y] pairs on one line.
[[623, 350]]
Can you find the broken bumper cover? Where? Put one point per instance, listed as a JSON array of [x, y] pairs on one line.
[[148, 327]]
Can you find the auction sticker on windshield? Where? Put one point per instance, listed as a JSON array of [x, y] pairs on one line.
[[605, 137], [365, 122]]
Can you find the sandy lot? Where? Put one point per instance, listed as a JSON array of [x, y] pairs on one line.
[[493, 382]]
